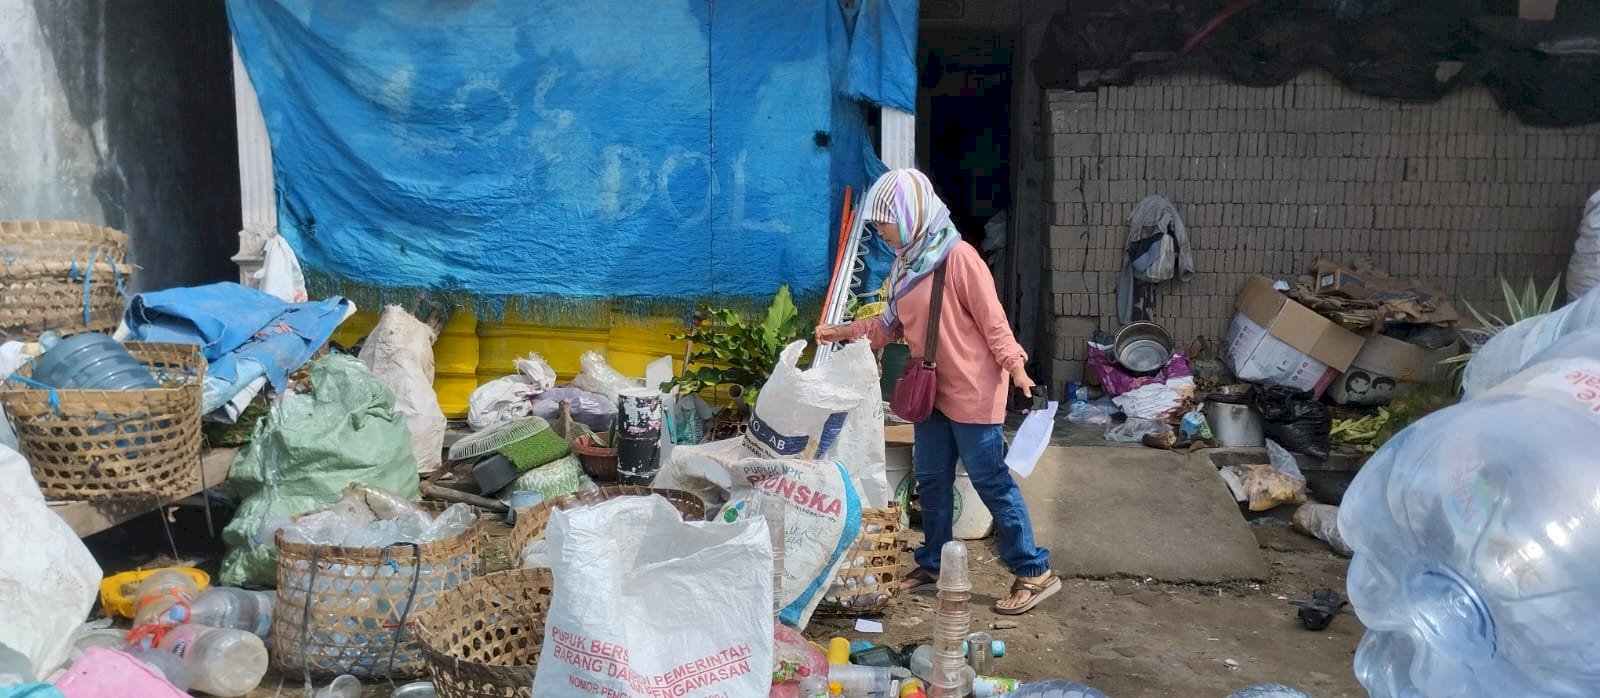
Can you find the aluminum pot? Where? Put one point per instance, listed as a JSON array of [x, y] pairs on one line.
[[1142, 347], [1234, 422]]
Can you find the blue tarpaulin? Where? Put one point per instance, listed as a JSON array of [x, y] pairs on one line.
[[559, 154]]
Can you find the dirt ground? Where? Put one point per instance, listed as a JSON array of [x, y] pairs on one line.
[[1129, 638], [1125, 637]]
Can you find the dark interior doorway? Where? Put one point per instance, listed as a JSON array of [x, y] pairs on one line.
[[964, 123]]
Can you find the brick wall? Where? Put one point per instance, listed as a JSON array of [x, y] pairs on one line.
[[1268, 180]]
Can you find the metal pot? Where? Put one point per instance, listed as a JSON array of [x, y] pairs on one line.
[[1234, 422], [1142, 347]]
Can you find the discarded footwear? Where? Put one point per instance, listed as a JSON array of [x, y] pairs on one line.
[[1318, 611], [1037, 593]]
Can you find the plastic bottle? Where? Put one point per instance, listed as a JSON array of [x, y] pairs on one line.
[[167, 664], [912, 688], [814, 686], [1056, 689], [231, 607], [835, 688], [952, 621], [991, 686], [980, 653], [222, 662], [163, 598], [346, 686], [861, 681], [1480, 580], [1269, 690]]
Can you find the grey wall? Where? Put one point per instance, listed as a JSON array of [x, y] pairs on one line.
[[120, 112]]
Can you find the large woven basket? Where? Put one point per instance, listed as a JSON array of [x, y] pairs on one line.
[[61, 276], [532, 521], [346, 610], [115, 444], [482, 639], [871, 572]]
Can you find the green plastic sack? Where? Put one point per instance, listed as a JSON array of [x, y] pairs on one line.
[[305, 452]]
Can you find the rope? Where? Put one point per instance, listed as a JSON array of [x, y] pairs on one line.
[[411, 595]]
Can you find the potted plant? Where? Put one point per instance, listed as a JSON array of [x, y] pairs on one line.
[[728, 352]]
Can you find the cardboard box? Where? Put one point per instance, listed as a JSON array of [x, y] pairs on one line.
[[1296, 325], [1258, 357], [1385, 368], [1330, 278]]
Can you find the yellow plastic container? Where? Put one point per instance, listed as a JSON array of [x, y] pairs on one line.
[[455, 362], [116, 591], [633, 344], [500, 344]]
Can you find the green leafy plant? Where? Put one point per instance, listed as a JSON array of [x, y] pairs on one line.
[[1519, 306], [727, 350]]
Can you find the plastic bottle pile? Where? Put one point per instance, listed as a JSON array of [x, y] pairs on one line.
[[367, 517], [1475, 556]]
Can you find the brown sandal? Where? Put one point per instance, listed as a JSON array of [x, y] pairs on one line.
[[919, 579], [1037, 593]]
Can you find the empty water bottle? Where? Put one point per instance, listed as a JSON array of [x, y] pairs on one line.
[[221, 662], [1056, 689], [239, 609], [163, 598], [167, 664], [1475, 541], [1269, 690]]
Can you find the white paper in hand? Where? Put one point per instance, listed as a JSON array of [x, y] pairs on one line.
[[1032, 438]]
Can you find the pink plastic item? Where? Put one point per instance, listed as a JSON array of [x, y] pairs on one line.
[[1116, 380], [107, 673], [789, 643]]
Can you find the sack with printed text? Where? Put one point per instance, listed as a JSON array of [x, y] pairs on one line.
[[830, 411], [647, 604], [821, 519]]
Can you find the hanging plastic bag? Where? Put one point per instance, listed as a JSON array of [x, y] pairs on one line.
[[305, 452], [822, 518], [1294, 419], [280, 273], [48, 579], [647, 604], [400, 353]]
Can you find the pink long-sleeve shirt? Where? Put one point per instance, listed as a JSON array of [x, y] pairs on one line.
[[976, 348]]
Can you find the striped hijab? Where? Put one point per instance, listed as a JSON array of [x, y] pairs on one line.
[[906, 199]]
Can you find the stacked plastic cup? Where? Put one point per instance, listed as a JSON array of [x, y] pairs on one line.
[[953, 620]]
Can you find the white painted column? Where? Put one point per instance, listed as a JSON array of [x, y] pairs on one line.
[[257, 196], [898, 131]]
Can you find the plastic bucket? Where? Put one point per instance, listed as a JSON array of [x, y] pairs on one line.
[[972, 519], [897, 465], [455, 362]]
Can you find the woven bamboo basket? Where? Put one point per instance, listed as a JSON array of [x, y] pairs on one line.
[[482, 639], [102, 445], [531, 522], [347, 610], [871, 572], [61, 276]]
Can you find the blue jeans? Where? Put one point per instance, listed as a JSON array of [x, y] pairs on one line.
[[982, 449]]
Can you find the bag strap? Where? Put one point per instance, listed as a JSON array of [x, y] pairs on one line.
[[930, 347]]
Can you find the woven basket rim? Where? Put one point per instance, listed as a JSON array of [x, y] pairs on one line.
[[344, 553]]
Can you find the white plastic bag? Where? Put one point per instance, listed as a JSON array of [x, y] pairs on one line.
[[500, 400], [599, 377], [48, 579], [822, 519], [280, 273], [1508, 352], [400, 353], [1583, 272], [537, 371], [1321, 521], [647, 604], [830, 411]]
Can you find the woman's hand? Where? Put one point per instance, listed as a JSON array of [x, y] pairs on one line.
[[1020, 379], [828, 334]]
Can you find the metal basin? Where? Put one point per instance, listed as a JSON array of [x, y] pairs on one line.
[[1142, 347], [418, 689]]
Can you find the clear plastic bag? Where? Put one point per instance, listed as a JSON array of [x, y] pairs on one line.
[[1135, 429], [599, 377], [1321, 521], [1087, 413]]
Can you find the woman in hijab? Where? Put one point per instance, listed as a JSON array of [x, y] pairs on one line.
[[977, 357]]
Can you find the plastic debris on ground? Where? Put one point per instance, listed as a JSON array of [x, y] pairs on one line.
[[1321, 521], [370, 518]]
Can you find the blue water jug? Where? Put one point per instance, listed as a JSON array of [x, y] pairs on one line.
[[90, 361]]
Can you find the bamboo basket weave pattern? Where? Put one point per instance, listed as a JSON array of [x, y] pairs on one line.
[[345, 610], [482, 639], [115, 444], [871, 571], [532, 521], [55, 273]]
